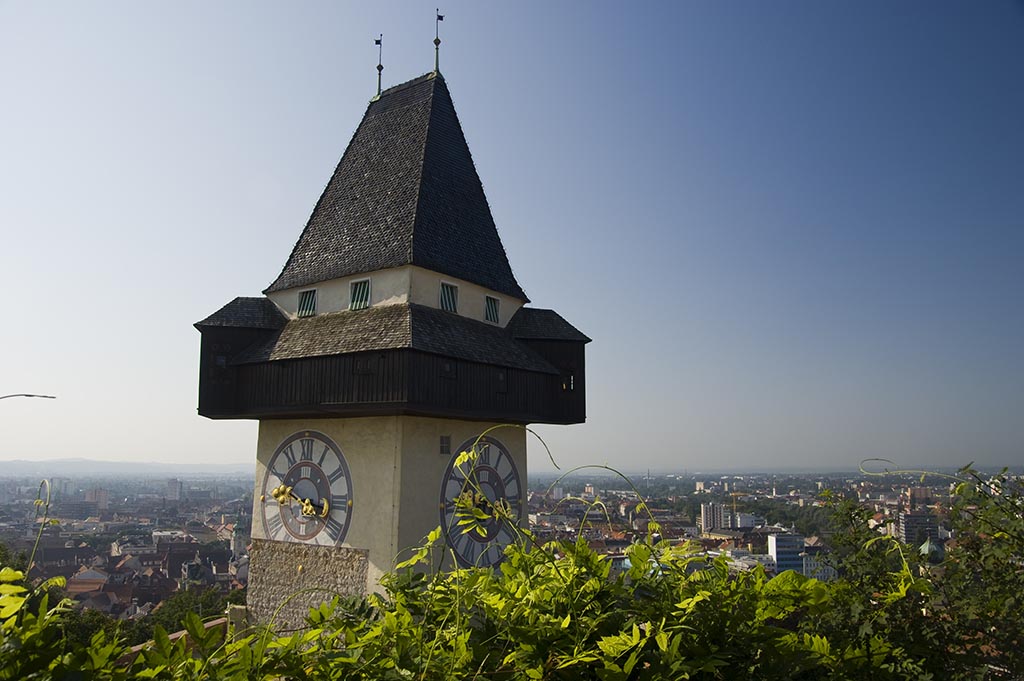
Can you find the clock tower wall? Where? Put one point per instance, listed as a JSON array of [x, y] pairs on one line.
[[372, 447], [423, 467]]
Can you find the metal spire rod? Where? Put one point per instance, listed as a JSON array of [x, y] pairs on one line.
[[437, 40], [379, 42]]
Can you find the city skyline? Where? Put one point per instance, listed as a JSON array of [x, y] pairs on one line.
[[794, 234]]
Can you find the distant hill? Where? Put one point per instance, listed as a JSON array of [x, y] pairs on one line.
[[77, 467]]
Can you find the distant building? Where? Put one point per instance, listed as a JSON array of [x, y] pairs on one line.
[[711, 516], [174, 490], [786, 549], [740, 519], [915, 528], [100, 496], [76, 509], [240, 541], [814, 567], [918, 496]]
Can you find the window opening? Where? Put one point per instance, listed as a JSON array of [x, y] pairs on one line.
[[307, 303], [449, 297], [359, 295], [491, 309]]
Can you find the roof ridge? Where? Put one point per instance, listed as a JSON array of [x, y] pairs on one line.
[[419, 178], [483, 191], [410, 83]]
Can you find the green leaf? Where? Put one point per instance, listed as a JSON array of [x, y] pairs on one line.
[[11, 575]]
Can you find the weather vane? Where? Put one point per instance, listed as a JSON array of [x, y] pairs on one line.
[[379, 42], [437, 40]]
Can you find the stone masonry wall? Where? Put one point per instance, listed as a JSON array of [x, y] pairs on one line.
[[282, 570]]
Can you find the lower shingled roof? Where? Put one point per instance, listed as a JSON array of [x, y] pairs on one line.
[[534, 323], [395, 327], [247, 313]]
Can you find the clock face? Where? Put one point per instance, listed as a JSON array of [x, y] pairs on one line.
[[486, 482], [306, 493]]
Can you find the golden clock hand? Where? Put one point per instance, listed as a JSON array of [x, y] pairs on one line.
[[307, 507], [282, 494]]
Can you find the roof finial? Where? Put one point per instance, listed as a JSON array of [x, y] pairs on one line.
[[437, 41], [379, 42]]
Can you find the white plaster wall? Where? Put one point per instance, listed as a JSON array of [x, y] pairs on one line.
[[399, 285], [426, 290], [387, 287]]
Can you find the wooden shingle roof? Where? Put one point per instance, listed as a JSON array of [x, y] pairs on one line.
[[247, 313], [406, 192], [395, 327], [531, 323]]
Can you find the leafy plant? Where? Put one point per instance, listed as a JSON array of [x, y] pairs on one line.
[[557, 611]]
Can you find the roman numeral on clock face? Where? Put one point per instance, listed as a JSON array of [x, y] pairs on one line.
[[336, 475], [468, 548], [334, 528], [289, 454], [508, 479], [307, 449], [274, 525]]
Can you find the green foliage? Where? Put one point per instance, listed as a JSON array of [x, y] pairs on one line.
[[557, 612]]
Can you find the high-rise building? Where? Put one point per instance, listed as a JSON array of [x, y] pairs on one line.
[[100, 496], [711, 516], [786, 550], [174, 490], [917, 527], [918, 496]]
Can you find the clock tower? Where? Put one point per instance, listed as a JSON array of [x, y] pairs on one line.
[[395, 335]]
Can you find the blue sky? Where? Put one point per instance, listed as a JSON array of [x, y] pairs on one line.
[[794, 230]]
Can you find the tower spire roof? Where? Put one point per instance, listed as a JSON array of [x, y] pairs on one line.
[[406, 192]]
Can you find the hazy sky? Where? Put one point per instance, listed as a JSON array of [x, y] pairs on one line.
[[794, 230]]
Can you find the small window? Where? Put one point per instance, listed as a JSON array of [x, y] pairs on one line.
[[491, 309], [502, 381], [307, 303], [568, 382], [449, 297], [446, 445], [359, 295]]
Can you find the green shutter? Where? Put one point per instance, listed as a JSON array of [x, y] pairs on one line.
[[360, 295], [449, 298], [491, 309], [307, 303]]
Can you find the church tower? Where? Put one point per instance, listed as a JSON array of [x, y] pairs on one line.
[[395, 335]]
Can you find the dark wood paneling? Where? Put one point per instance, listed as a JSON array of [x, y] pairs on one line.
[[392, 382]]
